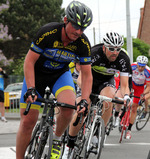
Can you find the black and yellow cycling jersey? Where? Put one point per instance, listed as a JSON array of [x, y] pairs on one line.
[[51, 68], [54, 56]]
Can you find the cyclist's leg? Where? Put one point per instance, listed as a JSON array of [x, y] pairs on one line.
[[26, 125], [64, 91], [107, 107], [117, 108], [138, 90]]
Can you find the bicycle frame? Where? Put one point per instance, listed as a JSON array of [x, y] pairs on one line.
[[125, 123], [43, 132]]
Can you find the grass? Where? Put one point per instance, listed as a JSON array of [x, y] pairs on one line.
[[17, 110]]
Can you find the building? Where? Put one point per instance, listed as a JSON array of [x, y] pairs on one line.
[[144, 24]]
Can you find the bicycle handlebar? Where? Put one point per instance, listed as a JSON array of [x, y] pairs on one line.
[[108, 99], [52, 101]]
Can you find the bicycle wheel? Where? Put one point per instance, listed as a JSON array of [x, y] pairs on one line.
[[141, 123], [32, 147], [48, 147], [64, 142], [79, 144], [97, 130], [42, 142]]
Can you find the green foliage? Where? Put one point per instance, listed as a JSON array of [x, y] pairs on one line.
[[25, 17], [139, 48], [17, 66]]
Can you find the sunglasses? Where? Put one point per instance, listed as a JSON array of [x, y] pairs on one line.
[[77, 27], [112, 49]]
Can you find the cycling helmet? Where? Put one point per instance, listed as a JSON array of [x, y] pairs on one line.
[[113, 39], [142, 60], [79, 14]]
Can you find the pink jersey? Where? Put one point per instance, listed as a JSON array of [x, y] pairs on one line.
[[140, 78]]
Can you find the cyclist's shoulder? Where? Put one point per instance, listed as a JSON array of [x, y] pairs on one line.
[[97, 47], [97, 50], [123, 54], [84, 42], [50, 28]]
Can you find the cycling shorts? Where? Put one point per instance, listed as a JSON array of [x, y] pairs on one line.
[[138, 90], [64, 82], [98, 86], [1, 96]]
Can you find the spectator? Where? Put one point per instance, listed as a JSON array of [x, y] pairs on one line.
[[2, 108]]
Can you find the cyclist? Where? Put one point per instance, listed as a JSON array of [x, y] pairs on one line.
[[2, 108], [118, 94], [71, 138], [105, 76], [107, 59], [140, 77], [46, 64]]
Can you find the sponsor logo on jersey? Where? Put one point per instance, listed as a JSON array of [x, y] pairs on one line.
[[70, 47], [44, 35], [88, 46]]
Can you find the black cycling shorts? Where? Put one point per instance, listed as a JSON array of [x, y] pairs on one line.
[[98, 86], [1, 96]]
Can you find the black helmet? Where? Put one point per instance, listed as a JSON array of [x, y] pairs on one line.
[[79, 14]]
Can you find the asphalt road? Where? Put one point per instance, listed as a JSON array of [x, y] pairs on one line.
[[136, 148]]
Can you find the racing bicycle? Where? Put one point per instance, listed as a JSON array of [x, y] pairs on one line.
[[141, 122], [97, 128], [42, 137]]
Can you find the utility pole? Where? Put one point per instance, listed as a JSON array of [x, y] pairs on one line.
[[129, 37], [94, 35], [99, 22]]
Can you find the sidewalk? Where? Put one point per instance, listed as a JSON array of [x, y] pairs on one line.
[[12, 125]]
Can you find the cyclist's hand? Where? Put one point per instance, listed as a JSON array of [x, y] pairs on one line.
[[30, 95], [127, 98], [82, 107], [142, 97]]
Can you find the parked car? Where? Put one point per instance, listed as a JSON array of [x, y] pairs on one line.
[[14, 91]]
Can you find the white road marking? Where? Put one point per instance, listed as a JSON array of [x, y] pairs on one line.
[[141, 144], [7, 153]]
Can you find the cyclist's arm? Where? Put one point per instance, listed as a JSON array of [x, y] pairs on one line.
[[124, 85], [29, 63], [147, 91], [79, 80], [86, 80]]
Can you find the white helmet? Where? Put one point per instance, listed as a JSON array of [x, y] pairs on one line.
[[142, 60], [113, 39]]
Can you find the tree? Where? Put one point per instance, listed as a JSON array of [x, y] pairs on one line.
[[23, 19], [139, 48]]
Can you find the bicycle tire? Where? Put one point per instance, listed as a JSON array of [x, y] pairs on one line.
[[31, 149], [64, 142], [91, 150], [141, 123], [79, 144], [48, 147], [42, 142]]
